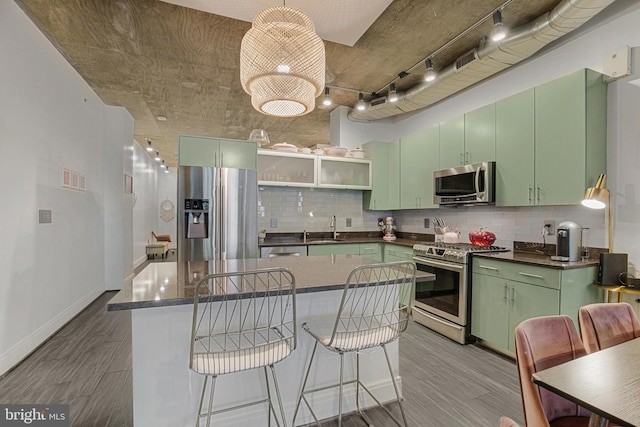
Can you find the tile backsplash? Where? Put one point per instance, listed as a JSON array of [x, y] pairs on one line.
[[297, 209]]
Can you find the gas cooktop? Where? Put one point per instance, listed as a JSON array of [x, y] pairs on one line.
[[457, 252]]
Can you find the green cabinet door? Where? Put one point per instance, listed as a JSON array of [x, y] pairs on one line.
[[334, 249], [418, 160], [238, 154], [397, 253], [214, 152], [198, 151], [570, 135], [452, 143], [371, 251], [527, 301], [490, 310], [515, 150], [480, 135], [385, 192]]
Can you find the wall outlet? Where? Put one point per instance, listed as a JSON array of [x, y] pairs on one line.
[[274, 222], [549, 227], [348, 221], [426, 223], [44, 216]]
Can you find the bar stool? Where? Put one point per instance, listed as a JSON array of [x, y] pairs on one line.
[[374, 311], [242, 321]]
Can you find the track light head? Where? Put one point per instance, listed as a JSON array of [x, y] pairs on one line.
[[431, 75], [499, 32], [361, 105], [327, 97], [393, 93], [157, 158], [149, 147]]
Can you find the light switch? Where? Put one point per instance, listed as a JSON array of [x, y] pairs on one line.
[[44, 216]]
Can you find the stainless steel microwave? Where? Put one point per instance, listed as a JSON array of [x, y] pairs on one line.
[[465, 185]]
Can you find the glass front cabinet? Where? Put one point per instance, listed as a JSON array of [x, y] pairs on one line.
[[309, 170]]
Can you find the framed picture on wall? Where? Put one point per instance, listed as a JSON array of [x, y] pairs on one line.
[[128, 184]]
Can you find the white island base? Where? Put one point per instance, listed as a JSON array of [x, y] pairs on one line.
[[166, 392]]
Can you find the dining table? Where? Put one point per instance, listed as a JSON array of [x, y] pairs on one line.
[[606, 382]]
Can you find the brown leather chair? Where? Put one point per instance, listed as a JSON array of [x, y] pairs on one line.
[[543, 342], [607, 324]]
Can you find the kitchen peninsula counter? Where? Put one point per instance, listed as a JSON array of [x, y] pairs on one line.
[[173, 283], [166, 392]]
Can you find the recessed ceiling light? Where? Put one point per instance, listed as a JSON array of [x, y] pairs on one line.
[[162, 118]]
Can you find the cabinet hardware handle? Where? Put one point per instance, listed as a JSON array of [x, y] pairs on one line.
[[461, 158], [538, 194], [530, 275], [504, 292], [487, 267], [530, 198], [513, 295], [221, 159], [467, 157]]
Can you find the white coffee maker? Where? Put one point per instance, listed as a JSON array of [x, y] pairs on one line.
[[388, 229]]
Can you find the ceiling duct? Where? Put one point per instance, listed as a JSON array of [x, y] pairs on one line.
[[489, 59]]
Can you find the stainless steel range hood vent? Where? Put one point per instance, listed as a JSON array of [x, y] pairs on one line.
[[488, 59]]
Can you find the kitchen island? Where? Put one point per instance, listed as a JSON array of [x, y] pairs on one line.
[[166, 392]]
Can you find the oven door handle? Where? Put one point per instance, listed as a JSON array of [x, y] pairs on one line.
[[445, 265]]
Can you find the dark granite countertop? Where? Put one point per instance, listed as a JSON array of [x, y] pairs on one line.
[[538, 259], [296, 239], [173, 283]]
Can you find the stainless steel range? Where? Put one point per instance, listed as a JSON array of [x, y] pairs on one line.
[[443, 305]]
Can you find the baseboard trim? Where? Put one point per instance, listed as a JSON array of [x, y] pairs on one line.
[[12, 357]]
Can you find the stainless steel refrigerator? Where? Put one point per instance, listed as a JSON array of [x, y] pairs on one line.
[[218, 213]]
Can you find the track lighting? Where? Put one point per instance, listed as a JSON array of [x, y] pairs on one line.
[[431, 75], [499, 32], [157, 158], [166, 170], [149, 147], [360, 105], [327, 97], [163, 165], [393, 93]]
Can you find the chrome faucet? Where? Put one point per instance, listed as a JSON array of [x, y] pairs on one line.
[[333, 226]]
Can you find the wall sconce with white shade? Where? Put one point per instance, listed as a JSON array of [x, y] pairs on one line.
[[598, 197]]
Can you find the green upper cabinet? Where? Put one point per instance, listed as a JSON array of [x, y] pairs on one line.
[[385, 192], [215, 152], [418, 160], [452, 142], [469, 139], [515, 150], [570, 137], [480, 135]]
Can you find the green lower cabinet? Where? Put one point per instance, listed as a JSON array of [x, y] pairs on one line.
[[397, 253], [506, 293], [371, 251], [367, 250]]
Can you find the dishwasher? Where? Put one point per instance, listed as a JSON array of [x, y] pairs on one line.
[[277, 251]]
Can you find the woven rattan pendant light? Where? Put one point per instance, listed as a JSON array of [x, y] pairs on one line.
[[282, 63]]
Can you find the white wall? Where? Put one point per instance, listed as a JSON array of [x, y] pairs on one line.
[[168, 190], [49, 119], [349, 134], [145, 208]]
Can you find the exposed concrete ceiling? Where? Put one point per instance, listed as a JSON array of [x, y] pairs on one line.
[[157, 58]]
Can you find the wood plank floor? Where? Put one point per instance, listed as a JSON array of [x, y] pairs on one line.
[[87, 364]]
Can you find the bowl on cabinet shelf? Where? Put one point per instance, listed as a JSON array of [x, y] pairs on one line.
[[336, 151]]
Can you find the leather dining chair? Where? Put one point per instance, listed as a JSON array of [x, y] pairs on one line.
[[604, 325], [541, 343]]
